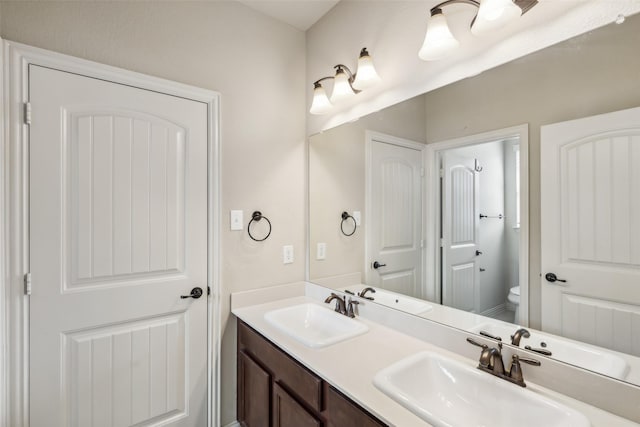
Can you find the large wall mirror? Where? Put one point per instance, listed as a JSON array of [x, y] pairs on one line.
[[506, 202]]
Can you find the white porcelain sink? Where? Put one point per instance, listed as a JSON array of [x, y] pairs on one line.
[[445, 392], [315, 326], [586, 356], [395, 300]]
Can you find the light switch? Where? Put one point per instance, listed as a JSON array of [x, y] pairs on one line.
[[287, 254], [357, 216], [236, 220], [321, 251]]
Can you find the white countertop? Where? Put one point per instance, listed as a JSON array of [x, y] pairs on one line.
[[351, 365]]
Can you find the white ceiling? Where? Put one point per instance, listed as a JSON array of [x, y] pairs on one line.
[[300, 14]]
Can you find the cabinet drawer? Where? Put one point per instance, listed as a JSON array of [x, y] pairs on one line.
[[285, 370], [341, 411]]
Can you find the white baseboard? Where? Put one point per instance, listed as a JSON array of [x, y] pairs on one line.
[[233, 424]]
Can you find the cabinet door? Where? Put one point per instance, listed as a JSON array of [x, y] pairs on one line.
[[341, 411], [253, 393], [289, 413]]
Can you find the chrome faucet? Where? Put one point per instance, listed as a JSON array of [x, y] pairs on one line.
[[340, 304], [363, 292], [517, 336], [491, 361]]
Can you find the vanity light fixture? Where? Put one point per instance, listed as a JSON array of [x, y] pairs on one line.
[[492, 14], [345, 84]]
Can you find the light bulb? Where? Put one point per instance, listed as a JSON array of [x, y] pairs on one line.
[[438, 40], [320, 104], [366, 75], [494, 14]]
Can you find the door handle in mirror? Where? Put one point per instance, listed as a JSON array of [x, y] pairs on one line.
[[377, 265], [195, 293], [551, 277]]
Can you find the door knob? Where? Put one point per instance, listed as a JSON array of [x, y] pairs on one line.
[[376, 265], [478, 253], [195, 293], [551, 277]]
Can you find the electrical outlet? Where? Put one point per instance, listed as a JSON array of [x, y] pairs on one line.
[[321, 252], [287, 254], [236, 220]]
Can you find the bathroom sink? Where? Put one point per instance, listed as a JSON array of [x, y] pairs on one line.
[[445, 392], [315, 326], [395, 300], [586, 356]]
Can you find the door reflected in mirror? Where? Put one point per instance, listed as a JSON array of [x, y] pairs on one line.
[[468, 225]]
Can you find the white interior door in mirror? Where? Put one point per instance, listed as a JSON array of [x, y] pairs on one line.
[[590, 181], [460, 231], [395, 219], [118, 220]]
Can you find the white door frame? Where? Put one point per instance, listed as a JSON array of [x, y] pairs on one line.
[[371, 136], [432, 154], [14, 214]]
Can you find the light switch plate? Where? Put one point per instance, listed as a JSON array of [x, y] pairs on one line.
[[357, 216], [236, 220], [287, 254], [321, 252]]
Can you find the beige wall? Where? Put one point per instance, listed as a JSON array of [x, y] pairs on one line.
[[584, 76], [258, 66], [337, 183]]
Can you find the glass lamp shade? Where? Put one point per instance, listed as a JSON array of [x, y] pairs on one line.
[[320, 104], [366, 76], [438, 41], [494, 14], [341, 87]]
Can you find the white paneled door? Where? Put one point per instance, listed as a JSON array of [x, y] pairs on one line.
[[590, 181], [460, 231], [118, 232], [395, 216]]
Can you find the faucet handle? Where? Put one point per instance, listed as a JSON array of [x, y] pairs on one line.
[[488, 335], [533, 362], [542, 351], [350, 310], [515, 372], [476, 343]]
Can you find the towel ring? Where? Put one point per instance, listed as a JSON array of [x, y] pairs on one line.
[[257, 216], [345, 216]]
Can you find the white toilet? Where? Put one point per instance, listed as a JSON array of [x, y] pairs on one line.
[[514, 298]]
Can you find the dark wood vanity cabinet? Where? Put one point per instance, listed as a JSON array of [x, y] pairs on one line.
[[274, 390]]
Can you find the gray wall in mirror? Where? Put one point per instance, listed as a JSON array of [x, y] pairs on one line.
[[591, 74]]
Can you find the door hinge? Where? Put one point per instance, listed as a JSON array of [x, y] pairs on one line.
[[27, 113], [442, 243], [441, 173], [422, 244], [27, 284]]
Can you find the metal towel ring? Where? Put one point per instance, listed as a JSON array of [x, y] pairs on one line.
[[257, 216], [345, 216]]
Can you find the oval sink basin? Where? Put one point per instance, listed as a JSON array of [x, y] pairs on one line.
[[395, 300], [445, 392], [586, 356], [313, 325]]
